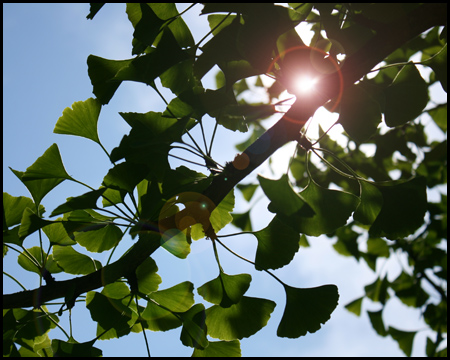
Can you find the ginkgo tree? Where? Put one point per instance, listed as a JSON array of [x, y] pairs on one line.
[[329, 189]]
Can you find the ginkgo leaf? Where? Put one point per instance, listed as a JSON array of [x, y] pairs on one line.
[[74, 349], [81, 120], [332, 209], [178, 298], [73, 262], [159, 319], [147, 278], [193, 333], [99, 239], [403, 210], [370, 205], [113, 315], [37, 188], [48, 166], [220, 349], [283, 198], [241, 320], [277, 245], [85, 201], [306, 309], [225, 290], [406, 97]]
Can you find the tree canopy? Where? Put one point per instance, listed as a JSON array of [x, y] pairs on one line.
[[367, 63]]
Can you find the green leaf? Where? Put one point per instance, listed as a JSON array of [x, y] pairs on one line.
[[36, 256], [406, 97], [355, 306], [37, 188], [220, 349], [159, 319], [102, 73], [74, 349], [283, 199], [225, 290], [331, 208], [178, 298], [360, 114], [377, 322], [404, 339], [82, 202], [377, 291], [146, 29], [307, 309], [148, 67], [13, 208], [370, 205], [111, 314], [125, 176], [403, 210], [147, 278], [193, 333], [48, 166], [175, 242], [242, 221], [439, 66], [30, 223], [99, 239], [73, 262], [81, 120], [277, 245], [219, 217], [240, 320], [247, 190]]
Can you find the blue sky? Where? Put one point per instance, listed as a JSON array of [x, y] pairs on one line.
[[45, 47]]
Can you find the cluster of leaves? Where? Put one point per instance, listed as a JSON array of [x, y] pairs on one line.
[[171, 210]]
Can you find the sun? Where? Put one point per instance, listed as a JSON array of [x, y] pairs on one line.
[[305, 84]]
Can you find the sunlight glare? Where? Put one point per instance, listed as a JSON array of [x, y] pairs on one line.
[[305, 84]]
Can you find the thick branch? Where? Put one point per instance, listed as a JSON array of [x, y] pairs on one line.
[[356, 66]]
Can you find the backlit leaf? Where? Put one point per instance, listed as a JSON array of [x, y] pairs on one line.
[[48, 166], [220, 349], [73, 262], [38, 188], [277, 245], [82, 202], [406, 97], [307, 309], [178, 298], [147, 278], [360, 114], [225, 290], [81, 120], [403, 210], [404, 339], [240, 320], [193, 333], [74, 349], [370, 205]]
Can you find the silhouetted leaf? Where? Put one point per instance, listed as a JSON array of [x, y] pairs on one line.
[[277, 245], [307, 309]]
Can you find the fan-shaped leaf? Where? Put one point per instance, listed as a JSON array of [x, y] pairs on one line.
[[307, 309], [277, 245], [48, 166], [81, 120], [240, 320], [225, 290]]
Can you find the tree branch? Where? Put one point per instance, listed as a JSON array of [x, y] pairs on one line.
[[286, 129]]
